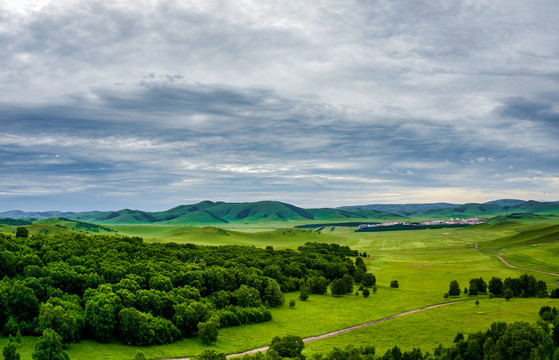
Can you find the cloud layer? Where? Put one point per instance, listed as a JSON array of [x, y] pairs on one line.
[[150, 104]]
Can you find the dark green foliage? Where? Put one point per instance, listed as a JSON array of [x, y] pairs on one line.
[[157, 289], [496, 286], [473, 289], [292, 303], [477, 286], [10, 351], [338, 287], [137, 328], [49, 347], [305, 291], [547, 313], [394, 284], [210, 354], [139, 356], [555, 333], [330, 249], [526, 286], [454, 288], [508, 294], [318, 285], [101, 309], [160, 282], [272, 293], [366, 292], [208, 330], [289, 346], [360, 264], [369, 280], [22, 232], [64, 317], [458, 337]]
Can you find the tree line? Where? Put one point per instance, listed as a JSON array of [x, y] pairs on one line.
[[523, 286]]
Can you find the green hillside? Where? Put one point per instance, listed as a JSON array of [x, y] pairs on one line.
[[535, 234], [74, 225], [206, 213]]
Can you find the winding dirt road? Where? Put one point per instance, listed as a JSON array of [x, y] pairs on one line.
[[342, 331], [500, 257]]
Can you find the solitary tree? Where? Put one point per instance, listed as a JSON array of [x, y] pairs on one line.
[[454, 288], [305, 291], [292, 303], [366, 292], [477, 303], [394, 284]]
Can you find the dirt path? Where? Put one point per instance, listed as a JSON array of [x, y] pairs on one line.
[[500, 257], [342, 331]]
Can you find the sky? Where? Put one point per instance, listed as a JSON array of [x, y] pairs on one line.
[[148, 104]]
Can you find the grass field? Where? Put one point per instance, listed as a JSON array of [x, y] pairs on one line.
[[424, 262]]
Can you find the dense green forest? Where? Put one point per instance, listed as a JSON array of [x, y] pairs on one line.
[[102, 287]]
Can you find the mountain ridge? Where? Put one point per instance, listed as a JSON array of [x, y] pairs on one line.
[[208, 212]]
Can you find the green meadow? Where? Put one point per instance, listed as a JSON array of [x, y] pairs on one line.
[[423, 261]]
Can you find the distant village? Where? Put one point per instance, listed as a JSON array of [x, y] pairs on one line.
[[456, 221]]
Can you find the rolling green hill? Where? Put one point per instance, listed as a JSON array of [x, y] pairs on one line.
[[220, 213], [74, 225]]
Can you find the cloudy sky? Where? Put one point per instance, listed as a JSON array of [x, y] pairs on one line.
[[150, 104]]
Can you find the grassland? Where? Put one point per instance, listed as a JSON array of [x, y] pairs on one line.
[[423, 261]]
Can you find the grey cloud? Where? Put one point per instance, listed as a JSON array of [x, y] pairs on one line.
[[241, 101], [521, 108]]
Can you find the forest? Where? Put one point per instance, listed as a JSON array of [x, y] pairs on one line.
[[105, 287]]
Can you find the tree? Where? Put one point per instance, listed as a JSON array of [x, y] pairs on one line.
[[289, 346], [369, 280], [208, 330], [366, 292], [374, 289], [139, 356], [305, 291], [337, 287], [10, 351], [394, 284], [495, 286], [555, 333], [473, 289], [477, 303], [22, 232], [273, 294], [68, 323], [49, 347], [210, 354], [247, 296], [454, 288], [101, 313], [508, 294], [292, 303]]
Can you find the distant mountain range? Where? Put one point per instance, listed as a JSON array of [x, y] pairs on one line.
[[496, 207], [220, 213]]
